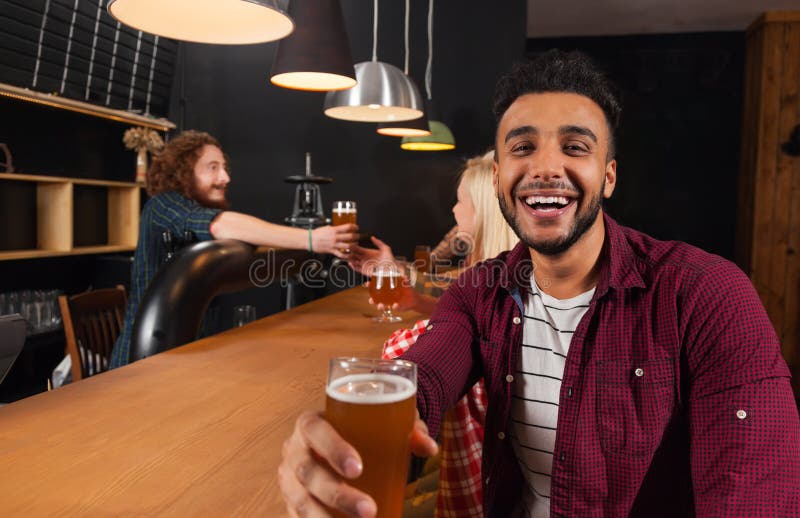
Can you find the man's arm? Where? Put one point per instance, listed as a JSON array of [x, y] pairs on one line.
[[326, 240], [317, 461], [744, 427]]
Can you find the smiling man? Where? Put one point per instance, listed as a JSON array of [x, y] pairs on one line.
[[626, 376], [188, 183]]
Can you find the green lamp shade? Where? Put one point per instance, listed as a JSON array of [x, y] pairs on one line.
[[440, 139]]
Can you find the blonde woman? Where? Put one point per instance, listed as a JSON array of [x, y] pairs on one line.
[[481, 224], [481, 230]]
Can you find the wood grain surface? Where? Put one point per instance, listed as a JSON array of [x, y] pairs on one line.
[[194, 431]]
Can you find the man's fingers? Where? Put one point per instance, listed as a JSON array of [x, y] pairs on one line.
[[346, 237], [329, 445], [298, 500], [422, 444], [334, 493]]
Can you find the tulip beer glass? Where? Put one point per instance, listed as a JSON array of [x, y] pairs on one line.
[[386, 287], [371, 404]]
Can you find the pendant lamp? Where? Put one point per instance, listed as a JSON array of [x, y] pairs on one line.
[[441, 138], [411, 128], [206, 21], [383, 93], [316, 56]]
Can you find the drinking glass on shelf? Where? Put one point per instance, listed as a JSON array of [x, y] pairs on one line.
[[12, 303], [371, 404], [386, 287], [243, 315], [3, 304]]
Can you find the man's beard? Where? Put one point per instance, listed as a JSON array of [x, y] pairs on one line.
[[205, 201], [557, 245]]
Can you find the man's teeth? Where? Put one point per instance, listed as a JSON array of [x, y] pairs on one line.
[[546, 200]]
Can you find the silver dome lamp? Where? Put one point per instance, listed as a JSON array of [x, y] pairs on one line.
[[383, 93]]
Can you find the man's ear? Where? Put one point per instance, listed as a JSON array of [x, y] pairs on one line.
[[611, 178]]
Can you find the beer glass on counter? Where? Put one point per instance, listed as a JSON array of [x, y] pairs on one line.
[[343, 212], [371, 404], [386, 287], [422, 258]]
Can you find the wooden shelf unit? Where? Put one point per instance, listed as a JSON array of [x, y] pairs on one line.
[[65, 103], [55, 210]]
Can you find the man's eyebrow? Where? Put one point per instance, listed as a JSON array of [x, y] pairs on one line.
[[580, 130], [521, 130]]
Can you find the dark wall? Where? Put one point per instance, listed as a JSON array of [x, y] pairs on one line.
[[678, 142], [404, 197]]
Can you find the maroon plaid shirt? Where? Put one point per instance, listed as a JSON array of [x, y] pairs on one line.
[[675, 399]]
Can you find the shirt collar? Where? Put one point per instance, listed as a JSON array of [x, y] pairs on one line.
[[619, 269]]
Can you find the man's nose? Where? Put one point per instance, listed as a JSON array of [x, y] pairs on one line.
[[224, 177], [547, 163]]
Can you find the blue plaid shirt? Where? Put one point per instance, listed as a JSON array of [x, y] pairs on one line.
[[166, 211]]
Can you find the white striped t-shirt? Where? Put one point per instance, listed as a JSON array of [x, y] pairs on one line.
[[546, 335]]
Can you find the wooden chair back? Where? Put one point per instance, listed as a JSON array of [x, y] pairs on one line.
[[92, 323]]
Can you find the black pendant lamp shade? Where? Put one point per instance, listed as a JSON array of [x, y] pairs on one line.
[[316, 56]]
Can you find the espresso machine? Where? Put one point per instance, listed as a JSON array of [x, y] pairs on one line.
[[308, 210]]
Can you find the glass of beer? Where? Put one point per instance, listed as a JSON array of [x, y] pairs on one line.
[[422, 258], [343, 212], [371, 404], [386, 287]]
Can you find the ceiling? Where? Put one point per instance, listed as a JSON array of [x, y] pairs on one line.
[[552, 18]]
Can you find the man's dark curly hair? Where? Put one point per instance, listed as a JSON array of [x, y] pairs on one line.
[[173, 168], [559, 71]]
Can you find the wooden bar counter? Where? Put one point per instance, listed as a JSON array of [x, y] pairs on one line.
[[194, 431]]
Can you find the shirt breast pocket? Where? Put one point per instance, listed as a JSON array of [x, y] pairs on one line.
[[634, 404]]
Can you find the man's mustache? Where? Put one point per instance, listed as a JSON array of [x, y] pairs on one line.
[[560, 185]]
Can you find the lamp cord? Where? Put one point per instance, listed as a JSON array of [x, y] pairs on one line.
[[375, 32], [408, 8], [429, 65]]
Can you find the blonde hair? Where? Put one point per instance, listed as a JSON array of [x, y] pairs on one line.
[[492, 234]]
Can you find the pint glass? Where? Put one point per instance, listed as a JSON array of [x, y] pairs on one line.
[[422, 258], [371, 404], [343, 212]]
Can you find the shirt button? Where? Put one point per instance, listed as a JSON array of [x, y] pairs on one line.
[[516, 320], [563, 456], [741, 414], [487, 480], [430, 326], [569, 392], [501, 436], [509, 378], [639, 372]]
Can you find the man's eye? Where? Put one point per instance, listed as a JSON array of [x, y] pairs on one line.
[[522, 147], [576, 148]]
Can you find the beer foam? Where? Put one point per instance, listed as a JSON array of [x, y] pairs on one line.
[[344, 211], [371, 389]]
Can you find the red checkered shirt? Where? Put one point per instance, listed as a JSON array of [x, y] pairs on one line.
[[459, 494], [675, 400]]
